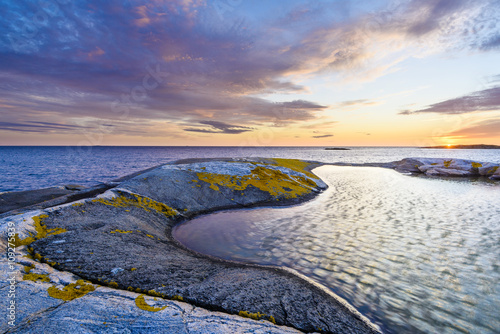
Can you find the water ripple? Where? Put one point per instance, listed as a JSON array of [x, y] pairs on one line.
[[414, 255]]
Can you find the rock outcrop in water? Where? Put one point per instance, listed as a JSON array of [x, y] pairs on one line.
[[110, 263], [448, 167]]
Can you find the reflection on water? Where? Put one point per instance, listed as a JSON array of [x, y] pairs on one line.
[[414, 255]]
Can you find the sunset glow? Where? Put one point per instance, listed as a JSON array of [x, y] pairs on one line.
[[245, 73]]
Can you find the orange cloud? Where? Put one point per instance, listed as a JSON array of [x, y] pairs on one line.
[[97, 52], [144, 20]]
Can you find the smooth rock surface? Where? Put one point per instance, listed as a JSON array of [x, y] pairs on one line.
[[19, 199], [447, 172], [107, 310], [12, 203]]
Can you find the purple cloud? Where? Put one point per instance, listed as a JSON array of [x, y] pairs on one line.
[[37, 127], [322, 136], [219, 127], [483, 129], [80, 61], [430, 14], [492, 43], [484, 100]]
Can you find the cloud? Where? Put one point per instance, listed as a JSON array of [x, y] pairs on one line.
[[324, 124], [484, 100], [323, 136], [37, 127], [98, 59], [370, 44], [355, 104], [483, 129], [492, 43], [219, 127], [429, 14]]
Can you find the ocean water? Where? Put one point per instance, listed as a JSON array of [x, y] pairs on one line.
[[414, 255], [33, 167]]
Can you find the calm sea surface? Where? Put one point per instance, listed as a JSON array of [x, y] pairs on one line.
[[415, 255], [23, 168]]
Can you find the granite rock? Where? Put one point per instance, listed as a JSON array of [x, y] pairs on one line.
[[445, 167], [488, 169], [96, 248], [108, 310], [19, 199], [496, 175]]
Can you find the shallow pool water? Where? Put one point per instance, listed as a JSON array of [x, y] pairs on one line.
[[414, 255]]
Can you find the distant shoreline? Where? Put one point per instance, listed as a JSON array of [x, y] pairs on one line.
[[466, 147], [337, 149]]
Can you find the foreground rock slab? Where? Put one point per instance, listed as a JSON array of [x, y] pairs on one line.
[[107, 310], [122, 240]]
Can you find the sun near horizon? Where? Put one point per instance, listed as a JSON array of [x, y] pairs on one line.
[[250, 73]]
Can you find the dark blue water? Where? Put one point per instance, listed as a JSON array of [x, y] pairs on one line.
[[33, 167]]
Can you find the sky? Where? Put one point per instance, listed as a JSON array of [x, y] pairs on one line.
[[250, 72]]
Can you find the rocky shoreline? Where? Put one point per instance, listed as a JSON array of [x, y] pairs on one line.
[[448, 168], [103, 258], [118, 244]]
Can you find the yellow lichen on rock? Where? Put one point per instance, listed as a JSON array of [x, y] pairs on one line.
[[257, 316], [27, 269], [22, 242], [120, 231], [141, 303], [71, 291], [476, 164], [296, 165], [36, 277], [113, 284], [41, 231], [447, 163], [137, 201], [154, 293], [254, 316], [269, 180]]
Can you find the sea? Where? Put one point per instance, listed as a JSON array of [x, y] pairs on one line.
[[412, 254], [34, 167]]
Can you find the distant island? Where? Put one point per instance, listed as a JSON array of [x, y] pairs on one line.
[[467, 147], [337, 149]]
